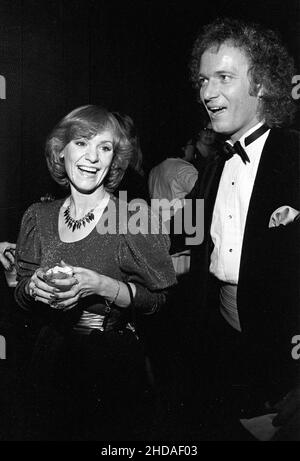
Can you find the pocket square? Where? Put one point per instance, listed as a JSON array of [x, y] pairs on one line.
[[283, 215]]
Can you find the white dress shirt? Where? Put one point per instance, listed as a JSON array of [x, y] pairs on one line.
[[231, 208]]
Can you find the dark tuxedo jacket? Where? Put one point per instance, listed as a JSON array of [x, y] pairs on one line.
[[268, 288]]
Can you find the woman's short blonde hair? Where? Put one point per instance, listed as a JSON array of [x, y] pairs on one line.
[[87, 122]]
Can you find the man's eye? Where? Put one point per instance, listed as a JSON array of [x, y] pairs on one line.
[[201, 81], [225, 78]]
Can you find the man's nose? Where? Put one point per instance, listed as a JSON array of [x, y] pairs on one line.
[[210, 90]]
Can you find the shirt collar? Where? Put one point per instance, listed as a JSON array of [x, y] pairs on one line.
[[255, 127]]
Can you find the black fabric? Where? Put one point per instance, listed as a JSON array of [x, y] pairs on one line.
[[268, 290], [84, 386], [230, 151], [256, 134]]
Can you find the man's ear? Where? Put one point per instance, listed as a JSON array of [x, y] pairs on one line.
[[260, 91]]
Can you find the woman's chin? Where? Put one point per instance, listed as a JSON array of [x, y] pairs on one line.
[[84, 188]]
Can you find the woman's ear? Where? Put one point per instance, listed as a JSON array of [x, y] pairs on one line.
[[61, 155]]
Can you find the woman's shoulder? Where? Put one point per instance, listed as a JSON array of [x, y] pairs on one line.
[[42, 210]]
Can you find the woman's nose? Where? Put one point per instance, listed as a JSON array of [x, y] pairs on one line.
[[91, 154]]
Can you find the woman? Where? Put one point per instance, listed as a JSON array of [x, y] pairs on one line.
[[87, 343]]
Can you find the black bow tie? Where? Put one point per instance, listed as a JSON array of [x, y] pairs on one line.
[[237, 148], [230, 150]]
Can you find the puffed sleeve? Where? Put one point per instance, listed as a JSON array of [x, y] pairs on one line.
[[28, 254], [145, 261]]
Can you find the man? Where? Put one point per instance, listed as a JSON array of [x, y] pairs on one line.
[[169, 182], [174, 177], [247, 270]]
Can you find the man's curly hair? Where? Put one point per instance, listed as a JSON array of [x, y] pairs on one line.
[[270, 65]]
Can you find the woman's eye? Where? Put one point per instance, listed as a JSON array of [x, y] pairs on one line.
[[106, 148], [80, 143]]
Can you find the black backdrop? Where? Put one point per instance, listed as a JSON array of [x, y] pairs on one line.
[[130, 55]]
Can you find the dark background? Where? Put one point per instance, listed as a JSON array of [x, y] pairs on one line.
[[131, 55]]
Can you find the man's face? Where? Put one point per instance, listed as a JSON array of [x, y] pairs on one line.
[[224, 90]]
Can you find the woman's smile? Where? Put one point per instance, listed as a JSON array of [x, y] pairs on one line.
[[88, 160]]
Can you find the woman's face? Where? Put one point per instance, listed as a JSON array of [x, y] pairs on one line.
[[87, 161]]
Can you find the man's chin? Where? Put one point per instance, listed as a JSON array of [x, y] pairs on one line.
[[221, 128]]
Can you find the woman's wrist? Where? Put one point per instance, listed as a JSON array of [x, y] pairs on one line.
[[114, 298], [116, 292], [108, 288]]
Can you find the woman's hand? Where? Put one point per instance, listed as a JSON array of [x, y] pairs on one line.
[[7, 254], [42, 291], [66, 293], [85, 282], [89, 282]]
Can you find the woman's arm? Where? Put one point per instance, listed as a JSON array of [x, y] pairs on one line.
[[28, 256], [7, 257]]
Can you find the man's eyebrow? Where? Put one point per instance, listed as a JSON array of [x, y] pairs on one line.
[[232, 71]]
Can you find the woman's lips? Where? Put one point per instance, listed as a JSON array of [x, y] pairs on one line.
[[87, 171]]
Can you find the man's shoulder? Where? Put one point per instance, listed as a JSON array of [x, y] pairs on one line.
[[283, 143], [287, 135]]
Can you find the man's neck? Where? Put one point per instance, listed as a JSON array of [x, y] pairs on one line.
[[239, 137]]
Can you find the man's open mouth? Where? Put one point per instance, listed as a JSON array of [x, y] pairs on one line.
[[216, 110]]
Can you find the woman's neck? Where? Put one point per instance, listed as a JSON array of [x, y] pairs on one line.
[[82, 203]]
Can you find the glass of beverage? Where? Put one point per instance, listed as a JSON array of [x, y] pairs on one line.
[[58, 272]]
